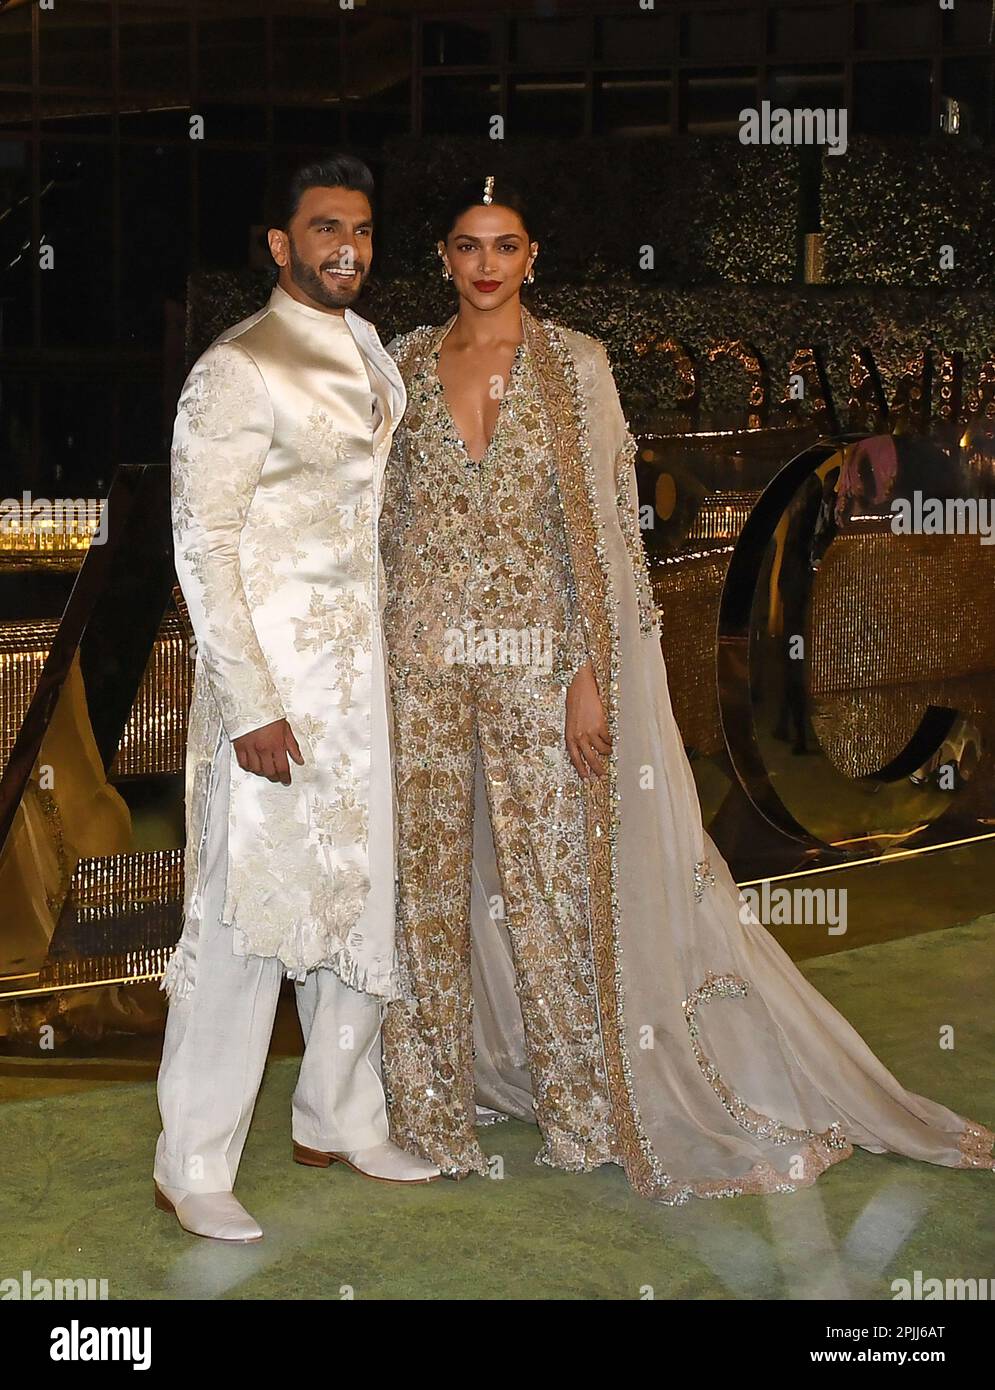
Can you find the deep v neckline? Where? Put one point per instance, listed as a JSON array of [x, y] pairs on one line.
[[450, 419]]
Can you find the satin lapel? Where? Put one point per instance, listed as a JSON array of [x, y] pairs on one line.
[[383, 369]]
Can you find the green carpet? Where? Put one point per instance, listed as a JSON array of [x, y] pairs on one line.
[[76, 1199]]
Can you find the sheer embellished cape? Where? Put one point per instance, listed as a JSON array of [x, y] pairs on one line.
[[728, 1072]]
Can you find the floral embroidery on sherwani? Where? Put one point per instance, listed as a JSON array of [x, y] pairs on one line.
[[210, 506], [320, 442], [276, 461]]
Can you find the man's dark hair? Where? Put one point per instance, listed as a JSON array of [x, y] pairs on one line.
[[334, 171]]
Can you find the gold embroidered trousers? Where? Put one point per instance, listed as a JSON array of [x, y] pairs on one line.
[[536, 801]]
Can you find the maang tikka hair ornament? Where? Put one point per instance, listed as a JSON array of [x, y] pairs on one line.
[[488, 199]]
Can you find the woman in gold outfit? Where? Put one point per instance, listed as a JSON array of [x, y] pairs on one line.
[[577, 952]]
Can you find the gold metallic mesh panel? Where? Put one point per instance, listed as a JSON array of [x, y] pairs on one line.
[[137, 962], [897, 623], [154, 738], [864, 729], [722, 516], [23, 648], [687, 589], [103, 887], [889, 608], [126, 911]]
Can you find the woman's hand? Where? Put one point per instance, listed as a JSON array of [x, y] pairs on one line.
[[587, 737]]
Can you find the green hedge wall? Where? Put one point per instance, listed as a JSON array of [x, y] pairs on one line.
[[723, 220], [894, 323], [888, 207], [713, 210]]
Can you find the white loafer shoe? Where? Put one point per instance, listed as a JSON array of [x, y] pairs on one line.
[[217, 1215], [384, 1162]]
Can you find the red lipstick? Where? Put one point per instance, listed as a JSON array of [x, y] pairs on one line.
[[487, 286]]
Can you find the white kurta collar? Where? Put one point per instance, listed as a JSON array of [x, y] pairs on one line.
[[284, 303], [386, 379]]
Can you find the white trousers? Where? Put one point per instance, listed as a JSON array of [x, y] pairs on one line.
[[216, 1041]]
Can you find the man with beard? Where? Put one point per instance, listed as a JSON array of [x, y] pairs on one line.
[[281, 439]]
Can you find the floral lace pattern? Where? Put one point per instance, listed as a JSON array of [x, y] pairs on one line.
[[210, 507], [275, 540]]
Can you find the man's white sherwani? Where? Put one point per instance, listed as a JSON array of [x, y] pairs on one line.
[[279, 449]]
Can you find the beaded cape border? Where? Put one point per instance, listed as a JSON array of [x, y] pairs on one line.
[[567, 412]]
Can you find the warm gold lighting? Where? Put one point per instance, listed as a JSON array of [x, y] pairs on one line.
[[154, 738], [32, 537]]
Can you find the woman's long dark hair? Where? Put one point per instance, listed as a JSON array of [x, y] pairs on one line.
[[471, 195]]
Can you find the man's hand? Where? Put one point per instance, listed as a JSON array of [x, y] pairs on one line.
[[588, 742], [264, 751]]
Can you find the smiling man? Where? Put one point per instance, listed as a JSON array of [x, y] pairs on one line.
[[279, 449]]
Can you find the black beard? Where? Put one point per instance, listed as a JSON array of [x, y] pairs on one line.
[[310, 281]]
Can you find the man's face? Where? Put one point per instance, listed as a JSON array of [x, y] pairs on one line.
[[325, 254]]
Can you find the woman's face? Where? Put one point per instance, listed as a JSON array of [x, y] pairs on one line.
[[488, 254]]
